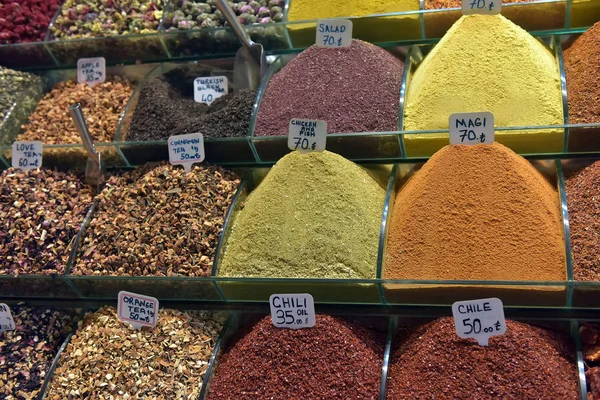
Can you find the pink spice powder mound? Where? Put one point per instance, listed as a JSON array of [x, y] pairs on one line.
[[354, 89]]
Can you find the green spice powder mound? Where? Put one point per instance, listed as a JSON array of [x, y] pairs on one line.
[[314, 215]]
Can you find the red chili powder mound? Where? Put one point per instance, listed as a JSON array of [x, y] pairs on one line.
[[476, 213], [432, 362], [336, 359], [583, 201], [583, 77], [354, 89]]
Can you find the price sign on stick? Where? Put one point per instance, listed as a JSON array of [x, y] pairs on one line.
[[186, 150], [137, 309], [334, 33], [472, 128], [306, 135], [208, 89], [27, 155], [479, 319], [481, 7], [294, 311], [91, 70], [7, 323]]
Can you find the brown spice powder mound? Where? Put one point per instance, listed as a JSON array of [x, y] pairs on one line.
[[583, 77], [432, 362], [583, 200], [476, 213]]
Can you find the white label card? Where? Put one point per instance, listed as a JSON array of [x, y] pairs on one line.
[[293, 311], [186, 150], [306, 135], [479, 319], [209, 88], [334, 33], [7, 323], [481, 7], [91, 70], [27, 155], [137, 309], [472, 128]]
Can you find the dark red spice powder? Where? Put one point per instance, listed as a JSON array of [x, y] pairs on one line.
[[336, 359], [354, 89], [24, 21], [583, 77], [583, 201], [527, 362]]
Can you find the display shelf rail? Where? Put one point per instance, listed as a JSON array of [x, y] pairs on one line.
[[541, 17]]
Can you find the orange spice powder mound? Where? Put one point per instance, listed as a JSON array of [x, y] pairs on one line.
[[476, 213]]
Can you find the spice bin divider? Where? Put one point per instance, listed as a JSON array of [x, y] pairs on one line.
[[536, 15], [222, 151], [234, 289], [580, 359], [106, 287], [50, 374], [387, 352], [557, 47], [360, 146], [446, 292], [562, 192]]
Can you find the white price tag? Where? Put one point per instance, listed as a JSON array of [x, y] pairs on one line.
[[479, 319], [294, 311], [186, 150], [481, 7], [27, 155], [207, 89], [91, 70], [472, 128], [7, 323], [306, 135], [137, 309], [334, 33]]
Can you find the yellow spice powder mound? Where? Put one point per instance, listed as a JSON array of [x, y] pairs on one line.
[[302, 10], [486, 63], [476, 213]]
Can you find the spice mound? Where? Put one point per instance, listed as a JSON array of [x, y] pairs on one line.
[[314, 215], [27, 352], [25, 21], [583, 201], [166, 107], [437, 4], [303, 10], [102, 106], [41, 212], [158, 221], [486, 63], [83, 19], [583, 78], [335, 359], [591, 353], [327, 84], [108, 359], [476, 213], [527, 362]]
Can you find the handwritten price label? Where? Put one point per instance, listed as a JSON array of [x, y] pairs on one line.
[[7, 323], [208, 89], [307, 135], [481, 7], [293, 311], [479, 319], [91, 70], [27, 155], [334, 33], [472, 128], [186, 150], [137, 309]]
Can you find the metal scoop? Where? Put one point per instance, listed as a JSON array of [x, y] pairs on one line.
[[94, 174], [250, 62]]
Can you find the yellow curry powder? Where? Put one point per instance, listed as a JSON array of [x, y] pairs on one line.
[[486, 63]]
